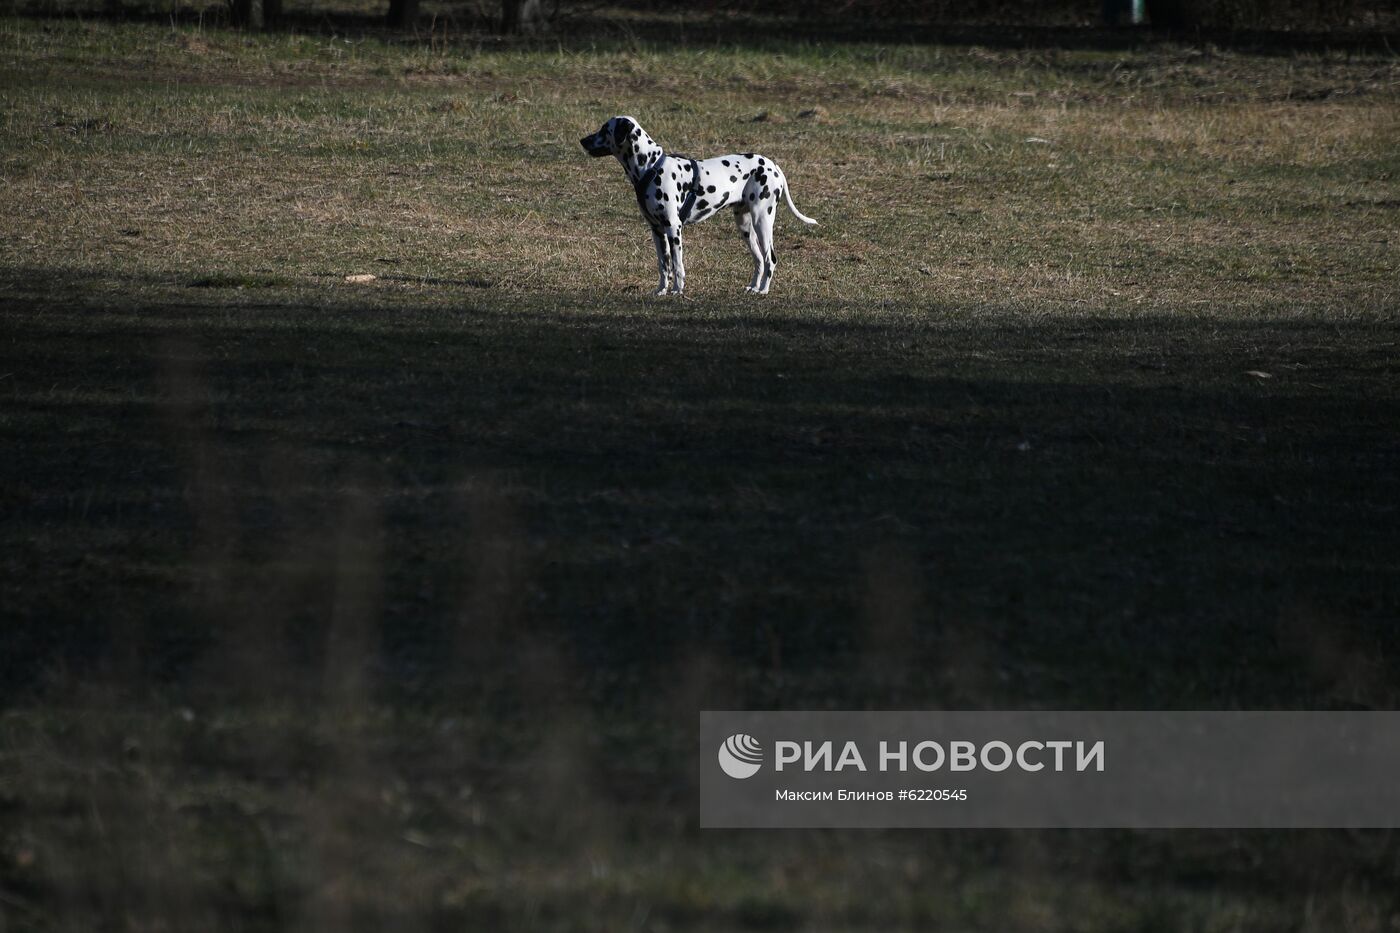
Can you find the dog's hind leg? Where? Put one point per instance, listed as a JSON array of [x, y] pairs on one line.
[[663, 260], [763, 246], [744, 220]]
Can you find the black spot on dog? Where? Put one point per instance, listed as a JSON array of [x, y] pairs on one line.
[[711, 189], [724, 162], [732, 179], [703, 204]]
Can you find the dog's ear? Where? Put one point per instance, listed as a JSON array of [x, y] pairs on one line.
[[622, 132]]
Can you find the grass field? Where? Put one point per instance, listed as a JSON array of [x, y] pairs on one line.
[[336, 605]]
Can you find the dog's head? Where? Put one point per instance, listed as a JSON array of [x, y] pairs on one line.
[[615, 137]]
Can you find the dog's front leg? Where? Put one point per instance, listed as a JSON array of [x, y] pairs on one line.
[[663, 260], [673, 237]]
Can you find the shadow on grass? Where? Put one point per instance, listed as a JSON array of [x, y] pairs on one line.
[[392, 610], [1170, 504]]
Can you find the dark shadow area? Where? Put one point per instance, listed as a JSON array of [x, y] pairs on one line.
[[417, 592], [587, 29], [1115, 496], [1010, 36]]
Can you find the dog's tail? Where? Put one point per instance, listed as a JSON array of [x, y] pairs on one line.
[[787, 193]]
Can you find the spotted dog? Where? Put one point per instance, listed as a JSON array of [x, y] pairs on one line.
[[674, 190]]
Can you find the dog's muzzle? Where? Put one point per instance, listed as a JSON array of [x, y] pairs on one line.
[[594, 146]]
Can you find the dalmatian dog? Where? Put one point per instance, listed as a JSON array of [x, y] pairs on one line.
[[674, 190]]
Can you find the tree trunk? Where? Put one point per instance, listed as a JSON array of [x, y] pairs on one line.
[[522, 16], [403, 13]]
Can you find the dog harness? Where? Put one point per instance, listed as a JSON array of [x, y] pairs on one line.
[[692, 190]]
